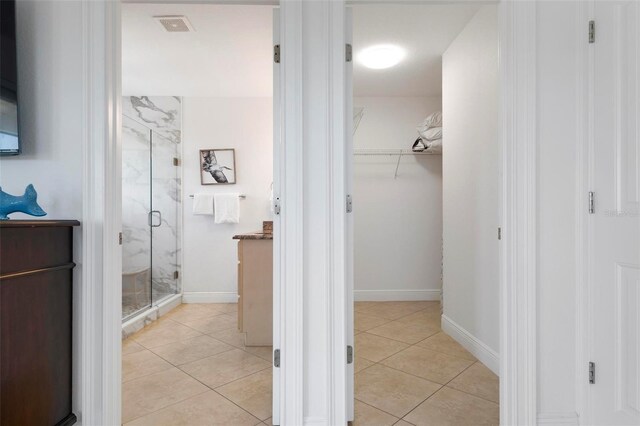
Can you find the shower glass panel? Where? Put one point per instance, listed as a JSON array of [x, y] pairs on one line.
[[136, 205], [165, 188], [150, 216]]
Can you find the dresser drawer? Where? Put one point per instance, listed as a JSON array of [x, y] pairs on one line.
[[45, 247]]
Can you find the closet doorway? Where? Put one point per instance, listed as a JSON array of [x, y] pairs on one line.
[[426, 188]]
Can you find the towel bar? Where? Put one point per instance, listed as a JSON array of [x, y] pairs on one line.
[[241, 196]]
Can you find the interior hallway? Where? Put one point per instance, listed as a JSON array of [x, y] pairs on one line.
[[191, 368]]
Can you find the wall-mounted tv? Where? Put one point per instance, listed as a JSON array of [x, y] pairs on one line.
[[9, 135]]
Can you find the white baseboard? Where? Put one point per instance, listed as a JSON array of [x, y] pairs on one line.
[[209, 297], [484, 353], [395, 295], [558, 418]]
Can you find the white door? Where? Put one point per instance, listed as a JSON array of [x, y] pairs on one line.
[[277, 240], [615, 226], [349, 240]]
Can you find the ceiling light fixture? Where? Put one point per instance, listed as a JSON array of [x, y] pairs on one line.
[[381, 56]]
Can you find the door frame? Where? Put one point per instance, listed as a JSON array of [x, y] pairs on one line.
[[97, 396], [517, 210]]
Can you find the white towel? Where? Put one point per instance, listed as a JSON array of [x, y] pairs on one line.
[[203, 204], [227, 207]]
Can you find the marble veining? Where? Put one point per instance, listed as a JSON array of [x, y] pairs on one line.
[[161, 114], [151, 139]]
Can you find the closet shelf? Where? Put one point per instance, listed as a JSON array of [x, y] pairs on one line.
[[399, 152], [391, 152]]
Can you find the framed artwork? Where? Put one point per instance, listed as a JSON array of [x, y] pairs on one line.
[[217, 166]]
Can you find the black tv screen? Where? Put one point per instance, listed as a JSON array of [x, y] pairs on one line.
[[9, 137]]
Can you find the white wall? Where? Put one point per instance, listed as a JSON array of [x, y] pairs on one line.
[[210, 254], [470, 177], [50, 92], [398, 222], [49, 36]]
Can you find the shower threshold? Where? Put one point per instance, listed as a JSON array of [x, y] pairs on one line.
[[139, 320]]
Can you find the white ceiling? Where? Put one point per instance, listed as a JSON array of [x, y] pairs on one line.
[[229, 54], [424, 32]]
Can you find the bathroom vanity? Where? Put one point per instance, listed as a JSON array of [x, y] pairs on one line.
[[255, 288]]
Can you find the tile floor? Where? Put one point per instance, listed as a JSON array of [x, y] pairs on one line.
[[191, 368], [408, 372]]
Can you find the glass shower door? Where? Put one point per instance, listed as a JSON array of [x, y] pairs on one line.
[[164, 216], [136, 203]]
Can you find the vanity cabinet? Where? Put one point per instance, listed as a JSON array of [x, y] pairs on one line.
[[36, 267], [255, 288]]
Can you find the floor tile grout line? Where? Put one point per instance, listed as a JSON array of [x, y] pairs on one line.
[[243, 377], [412, 375], [187, 338], [446, 386], [379, 409], [207, 356], [194, 378], [214, 389], [427, 398], [401, 341], [474, 360], [231, 401], [416, 345], [373, 363], [472, 394], [458, 375], [256, 417], [160, 409]]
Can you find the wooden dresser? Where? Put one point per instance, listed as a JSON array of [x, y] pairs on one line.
[[255, 288], [36, 264]]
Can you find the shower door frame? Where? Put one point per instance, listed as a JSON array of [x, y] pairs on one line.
[[97, 347], [153, 300]]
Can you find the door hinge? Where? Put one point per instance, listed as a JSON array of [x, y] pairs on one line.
[[276, 205], [276, 358], [276, 53], [349, 354], [592, 373], [120, 238], [176, 274], [499, 233], [176, 162], [592, 202], [592, 31], [349, 204], [349, 53]]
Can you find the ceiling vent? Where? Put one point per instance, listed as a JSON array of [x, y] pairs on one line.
[[175, 24]]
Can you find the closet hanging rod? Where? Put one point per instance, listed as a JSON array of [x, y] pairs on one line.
[[391, 152], [241, 196]]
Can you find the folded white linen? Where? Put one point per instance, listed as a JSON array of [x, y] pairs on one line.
[[227, 207], [203, 204], [433, 120], [434, 146], [432, 134]]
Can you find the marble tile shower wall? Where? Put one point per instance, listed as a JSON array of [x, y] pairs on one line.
[[150, 181]]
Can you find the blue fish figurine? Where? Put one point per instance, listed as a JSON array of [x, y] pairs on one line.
[[25, 203]]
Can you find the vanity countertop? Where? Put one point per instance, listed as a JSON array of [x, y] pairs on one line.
[[253, 236]]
